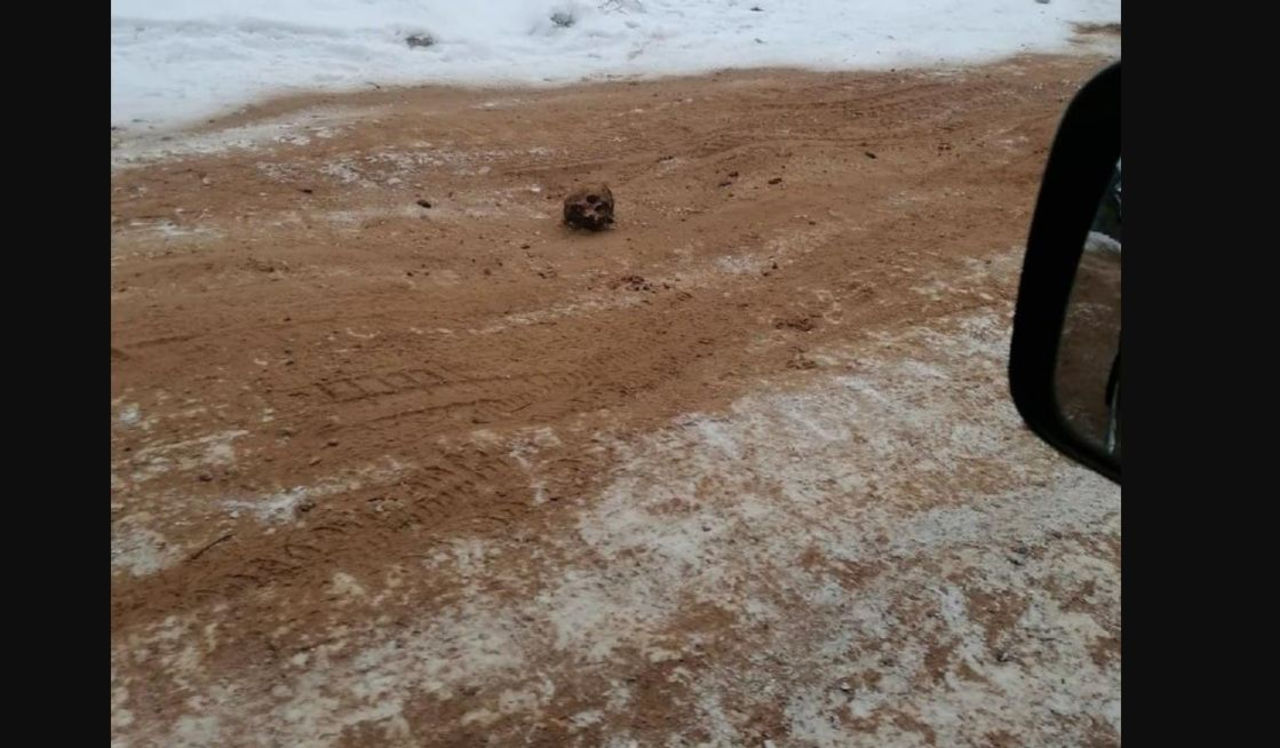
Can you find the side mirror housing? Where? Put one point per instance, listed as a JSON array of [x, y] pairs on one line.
[[1064, 363]]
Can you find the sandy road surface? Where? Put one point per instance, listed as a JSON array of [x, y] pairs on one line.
[[743, 469]]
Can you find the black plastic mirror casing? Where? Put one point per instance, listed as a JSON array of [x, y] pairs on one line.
[[1080, 166]]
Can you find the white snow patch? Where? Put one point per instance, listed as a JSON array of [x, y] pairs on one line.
[[282, 506], [211, 450], [1100, 242], [130, 414], [139, 550], [173, 62], [133, 148]]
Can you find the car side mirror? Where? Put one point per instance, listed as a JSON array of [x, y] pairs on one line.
[[1064, 363]]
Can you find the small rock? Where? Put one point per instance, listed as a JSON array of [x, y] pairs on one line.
[[732, 175], [419, 40], [844, 687], [306, 505], [205, 477], [869, 154], [332, 442], [314, 461], [775, 180], [424, 203], [757, 9], [306, 190]]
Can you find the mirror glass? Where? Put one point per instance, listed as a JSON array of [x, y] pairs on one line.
[[1087, 375]]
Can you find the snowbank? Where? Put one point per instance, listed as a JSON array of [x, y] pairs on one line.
[[178, 60]]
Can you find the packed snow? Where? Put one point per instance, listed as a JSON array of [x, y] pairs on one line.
[[174, 61]]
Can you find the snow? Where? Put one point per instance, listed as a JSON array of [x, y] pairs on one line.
[[175, 61], [1100, 242]]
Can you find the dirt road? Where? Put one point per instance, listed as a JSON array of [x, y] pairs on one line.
[[398, 460]]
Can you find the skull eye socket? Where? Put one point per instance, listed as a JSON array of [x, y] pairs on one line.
[[593, 199]]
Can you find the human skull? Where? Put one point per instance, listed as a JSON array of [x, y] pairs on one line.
[[589, 208]]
